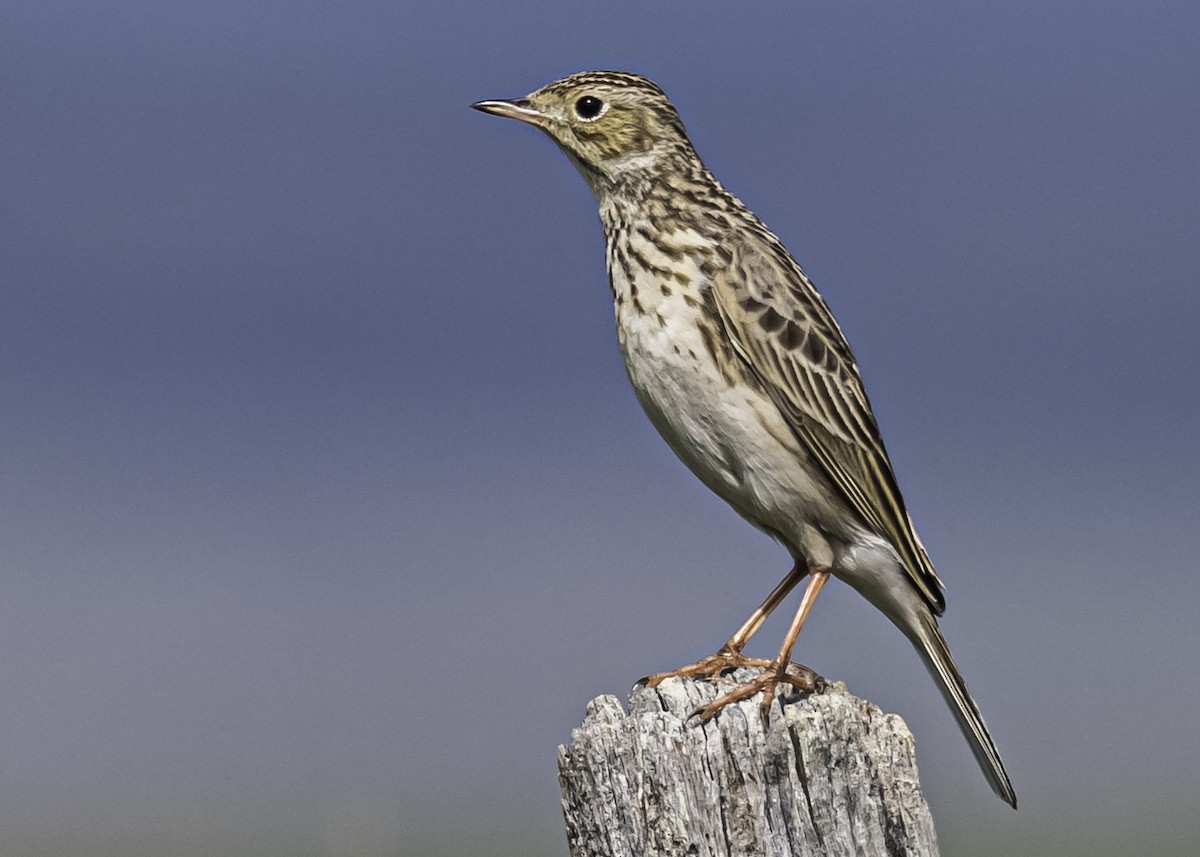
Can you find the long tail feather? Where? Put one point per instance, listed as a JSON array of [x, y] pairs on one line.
[[935, 653]]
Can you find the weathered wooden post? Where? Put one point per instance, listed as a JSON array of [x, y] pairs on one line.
[[829, 775]]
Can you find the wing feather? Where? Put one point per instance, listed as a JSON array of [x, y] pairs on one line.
[[787, 336]]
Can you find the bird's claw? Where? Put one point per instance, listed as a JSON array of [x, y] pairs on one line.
[[725, 660], [797, 676]]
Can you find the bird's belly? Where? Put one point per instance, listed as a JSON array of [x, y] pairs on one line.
[[729, 434]]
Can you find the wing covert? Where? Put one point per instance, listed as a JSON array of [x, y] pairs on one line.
[[785, 333]]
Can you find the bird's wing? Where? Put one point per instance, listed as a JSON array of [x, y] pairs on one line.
[[785, 333]]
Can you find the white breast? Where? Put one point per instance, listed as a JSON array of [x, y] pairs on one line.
[[730, 435]]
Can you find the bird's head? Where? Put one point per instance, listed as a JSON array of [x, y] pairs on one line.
[[614, 126]]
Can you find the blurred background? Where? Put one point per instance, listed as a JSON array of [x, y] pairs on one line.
[[325, 506]]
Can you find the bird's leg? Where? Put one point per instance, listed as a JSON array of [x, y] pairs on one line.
[[730, 656], [750, 626], [776, 670]]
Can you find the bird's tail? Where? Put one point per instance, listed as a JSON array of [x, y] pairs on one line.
[[935, 653]]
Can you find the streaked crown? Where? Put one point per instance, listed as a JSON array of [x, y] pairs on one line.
[[611, 124]]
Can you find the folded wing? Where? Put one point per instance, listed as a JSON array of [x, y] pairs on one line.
[[787, 336]]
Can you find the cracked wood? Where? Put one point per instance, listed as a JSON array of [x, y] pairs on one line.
[[830, 775]]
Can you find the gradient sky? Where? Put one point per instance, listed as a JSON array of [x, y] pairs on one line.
[[325, 505]]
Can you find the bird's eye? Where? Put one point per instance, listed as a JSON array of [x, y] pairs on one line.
[[589, 107]]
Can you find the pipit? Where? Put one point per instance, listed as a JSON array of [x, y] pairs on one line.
[[742, 368]]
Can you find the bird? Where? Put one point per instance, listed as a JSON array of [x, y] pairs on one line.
[[741, 367]]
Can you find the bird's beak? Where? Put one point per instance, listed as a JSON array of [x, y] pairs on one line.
[[517, 108]]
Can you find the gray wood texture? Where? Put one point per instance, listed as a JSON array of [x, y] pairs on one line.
[[830, 774]]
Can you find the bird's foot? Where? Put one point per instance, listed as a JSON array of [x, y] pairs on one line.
[[725, 660], [775, 673]]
